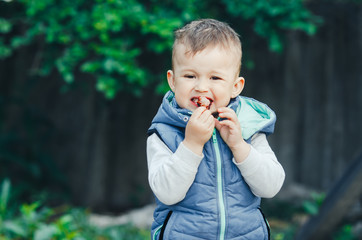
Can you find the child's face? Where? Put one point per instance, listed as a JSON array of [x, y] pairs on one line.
[[212, 73]]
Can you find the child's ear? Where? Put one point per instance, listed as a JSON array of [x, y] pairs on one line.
[[238, 87], [171, 80]]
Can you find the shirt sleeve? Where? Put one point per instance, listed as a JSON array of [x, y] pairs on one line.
[[170, 175], [261, 169]]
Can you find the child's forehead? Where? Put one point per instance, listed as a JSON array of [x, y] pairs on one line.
[[215, 57], [181, 49]]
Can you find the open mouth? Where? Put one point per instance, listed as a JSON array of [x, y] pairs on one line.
[[202, 101]]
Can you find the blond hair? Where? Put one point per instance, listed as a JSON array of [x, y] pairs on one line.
[[199, 34]]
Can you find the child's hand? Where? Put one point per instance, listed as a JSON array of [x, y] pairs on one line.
[[230, 131], [199, 129]]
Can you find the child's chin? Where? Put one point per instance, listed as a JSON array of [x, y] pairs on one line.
[[191, 108]]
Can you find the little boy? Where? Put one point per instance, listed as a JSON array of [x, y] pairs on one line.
[[208, 158]]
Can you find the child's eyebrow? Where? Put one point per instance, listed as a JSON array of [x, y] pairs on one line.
[[218, 73], [188, 70]]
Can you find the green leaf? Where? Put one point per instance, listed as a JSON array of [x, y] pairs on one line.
[[5, 26], [90, 67], [4, 51], [250, 64], [162, 88], [15, 228], [68, 77], [311, 29], [275, 43], [45, 232], [107, 85], [29, 210], [310, 208], [5, 191], [18, 42], [65, 219]]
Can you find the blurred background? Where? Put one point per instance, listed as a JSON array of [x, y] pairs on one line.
[[80, 82]]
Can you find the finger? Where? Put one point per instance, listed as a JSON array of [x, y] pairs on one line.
[[228, 115], [226, 110], [223, 123], [205, 115], [207, 120], [211, 120], [197, 113], [211, 126], [228, 123]]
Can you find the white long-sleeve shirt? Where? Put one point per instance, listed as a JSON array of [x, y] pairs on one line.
[[170, 175]]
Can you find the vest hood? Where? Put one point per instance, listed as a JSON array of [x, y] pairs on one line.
[[171, 113], [255, 116]]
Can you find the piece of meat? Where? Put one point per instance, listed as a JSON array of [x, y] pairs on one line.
[[203, 102]]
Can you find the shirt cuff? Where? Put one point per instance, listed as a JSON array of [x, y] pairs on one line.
[[251, 163], [188, 157]]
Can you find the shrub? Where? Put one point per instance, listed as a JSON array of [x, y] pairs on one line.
[[34, 221]]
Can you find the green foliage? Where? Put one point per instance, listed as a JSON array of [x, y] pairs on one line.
[[312, 206], [285, 217], [118, 42], [285, 234], [272, 16], [34, 221], [5, 189], [41, 223], [345, 233]]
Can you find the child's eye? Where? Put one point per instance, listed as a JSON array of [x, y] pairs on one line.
[[215, 78], [189, 76]]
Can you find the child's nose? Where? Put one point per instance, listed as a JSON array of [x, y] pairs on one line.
[[201, 85]]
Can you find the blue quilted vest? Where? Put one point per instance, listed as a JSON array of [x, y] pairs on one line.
[[219, 203]]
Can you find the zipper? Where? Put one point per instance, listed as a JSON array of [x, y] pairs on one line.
[[161, 229], [266, 223], [156, 232], [219, 186]]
